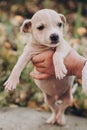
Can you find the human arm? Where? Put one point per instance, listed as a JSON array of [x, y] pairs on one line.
[[44, 64]]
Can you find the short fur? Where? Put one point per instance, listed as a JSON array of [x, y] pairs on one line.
[[55, 88]]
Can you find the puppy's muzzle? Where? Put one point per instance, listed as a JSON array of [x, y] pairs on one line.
[[54, 38]]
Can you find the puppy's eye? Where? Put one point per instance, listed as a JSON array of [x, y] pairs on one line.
[[40, 27], [60, 24]]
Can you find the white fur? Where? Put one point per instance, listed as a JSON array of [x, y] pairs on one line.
[[40, 42], [32, 48]]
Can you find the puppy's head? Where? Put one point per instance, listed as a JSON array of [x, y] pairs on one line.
[[46, 27]]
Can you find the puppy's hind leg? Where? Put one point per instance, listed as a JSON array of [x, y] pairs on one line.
[[66, 101], [50, 100]]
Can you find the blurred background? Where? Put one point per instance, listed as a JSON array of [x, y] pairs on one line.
[[12, 15]]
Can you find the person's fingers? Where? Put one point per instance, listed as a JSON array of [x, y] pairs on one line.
[[44, 70], [39, 64], [39, 76], [41, 70], [38, 59], [45, 64], [41, 57]]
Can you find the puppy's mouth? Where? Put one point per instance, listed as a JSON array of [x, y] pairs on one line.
[[54, 42]]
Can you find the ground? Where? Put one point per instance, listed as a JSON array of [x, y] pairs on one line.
[[29, 119]]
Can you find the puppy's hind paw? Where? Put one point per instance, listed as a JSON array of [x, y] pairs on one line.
[[51, 120], [61, 120]]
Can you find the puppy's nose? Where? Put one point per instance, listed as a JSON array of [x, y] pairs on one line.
[[54, 38]]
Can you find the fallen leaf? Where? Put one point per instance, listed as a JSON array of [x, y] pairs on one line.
[[13, 106], [32, 104], [19, 18], [81, 31], [75, 103], [79, 81], [7, 45], [45, 107]]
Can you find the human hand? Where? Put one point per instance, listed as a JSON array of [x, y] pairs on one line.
[[41, 62], [44, 64]]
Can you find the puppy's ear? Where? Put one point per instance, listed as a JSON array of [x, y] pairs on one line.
[[62, 18], [26, 26]]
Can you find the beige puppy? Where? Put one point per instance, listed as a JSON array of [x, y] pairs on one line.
[[46, 29]]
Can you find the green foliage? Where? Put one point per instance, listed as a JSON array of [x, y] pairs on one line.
[[46, 3], [80, 97], [3, 101], [78, 22], [11, 47]]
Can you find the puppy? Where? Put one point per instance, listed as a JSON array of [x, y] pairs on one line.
[[46, 29]]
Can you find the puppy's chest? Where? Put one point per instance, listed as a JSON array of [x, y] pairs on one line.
[[39, 49]]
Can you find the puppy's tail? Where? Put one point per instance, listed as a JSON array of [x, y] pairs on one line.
[[74, 88], [84, 78]]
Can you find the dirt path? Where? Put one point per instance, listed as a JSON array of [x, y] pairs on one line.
[[29, 119]]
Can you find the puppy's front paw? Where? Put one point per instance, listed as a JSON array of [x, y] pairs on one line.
[[11, 83], [60, 69]]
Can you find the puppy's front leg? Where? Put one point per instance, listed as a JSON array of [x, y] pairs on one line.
[[13, 79], [58, 59]]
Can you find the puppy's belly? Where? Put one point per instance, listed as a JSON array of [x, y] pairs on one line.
[[53, 86]]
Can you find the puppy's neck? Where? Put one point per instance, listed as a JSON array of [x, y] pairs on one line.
[[41, 47]]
